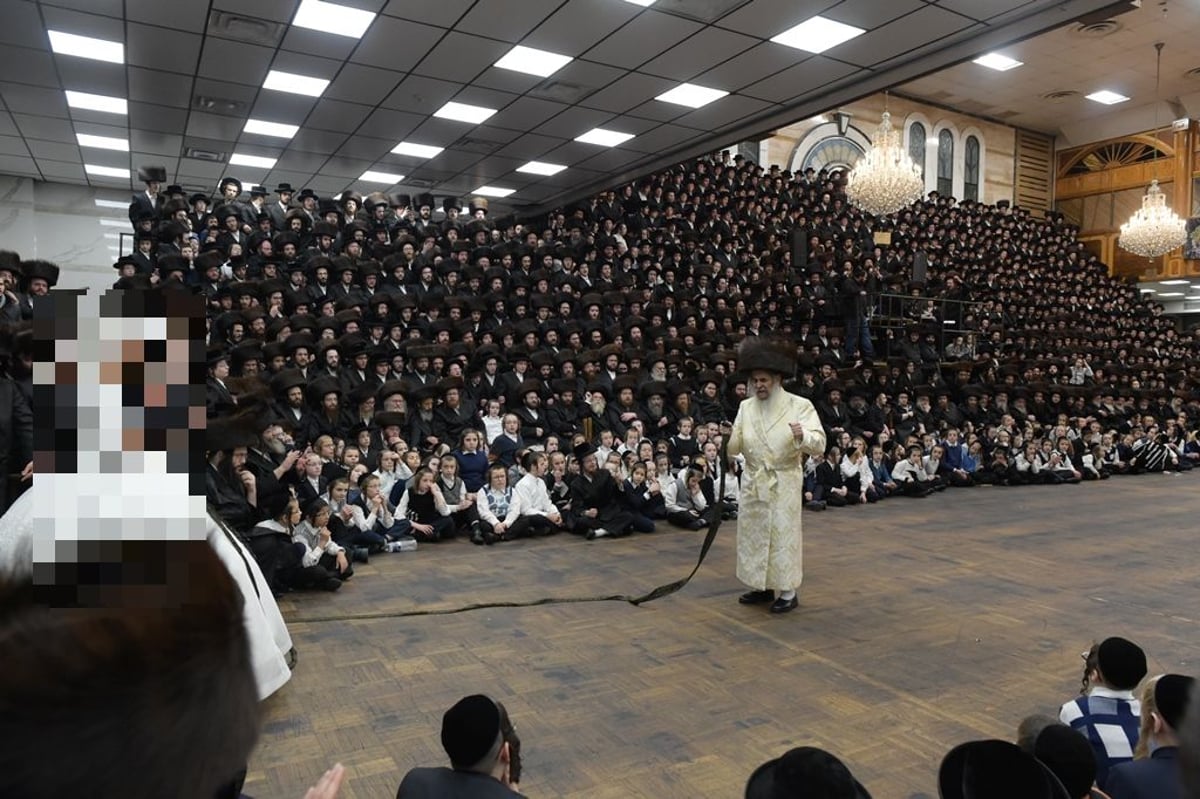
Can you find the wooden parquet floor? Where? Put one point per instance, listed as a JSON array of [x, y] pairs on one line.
[[922, 623]]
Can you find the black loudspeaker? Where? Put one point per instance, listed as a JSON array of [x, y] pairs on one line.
[[920, 268], [799, 249]]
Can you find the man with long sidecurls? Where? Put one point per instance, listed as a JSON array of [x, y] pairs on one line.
[[773, 430]]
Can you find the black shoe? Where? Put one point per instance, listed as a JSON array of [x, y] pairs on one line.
[[785, 605], [476, 536], [756, 597], [291, 657], [360, 555], [332, 584]]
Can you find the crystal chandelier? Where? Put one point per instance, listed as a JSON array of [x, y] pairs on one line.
[[1154, 229], [885, 179]]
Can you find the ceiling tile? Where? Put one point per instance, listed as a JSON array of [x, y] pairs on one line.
[[459, 57], [234, 62], [230, 99], [165, 88], [7, 126], [395, 43], [316, 141], [13, 145], [719, 114], [68, 21], [628, 92], [664, 138], [146, 46], [786, 86], [194, 167], [507, 80], [365, 147], [33, 67], [318, 43], [759, 62], [435, 12], [574, 122], [150, 142], [417, 93], [394, 126], [157, 118], [871, 14], [526, 113], [16, 165], [282, 107], [440, 131], [94, 129], [262, 9], [710, 46], [492, 133], [327, 185], [577, 80], [62, 170], [363, 84], [532, 146], [34, 99], [55, 151], [611, 160], [345, 167], [983, 10], [487, 98], [302, 162], [454, 160], [23, 25], [109, 8], [502, 19], [181, 16], [643, 38], [580, 25], [571, 153], [767, 18], [919, 29], [303, 64], [212, 126], [83, 75], [48, 128], [337, 116]]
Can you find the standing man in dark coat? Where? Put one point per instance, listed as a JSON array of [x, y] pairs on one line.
[[149, 200]]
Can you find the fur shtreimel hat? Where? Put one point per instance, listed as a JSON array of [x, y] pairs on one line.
[[759, 354]]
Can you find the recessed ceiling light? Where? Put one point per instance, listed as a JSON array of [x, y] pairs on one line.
[[241, 159], [605, 138], [533, 62], [295, 84], [1106, 97], [493, 191], [111, 204], [102, 142], [1148, 291], [106, 171], [1000, 63], [691, 95], [112, 222], [1181, 282], [333, 18], [641, 2], [1171, 294], [461, 112], [387, 178], [541, 168], [276, 129], [97, 102], [817, 34], [87, 47], [416, 150]]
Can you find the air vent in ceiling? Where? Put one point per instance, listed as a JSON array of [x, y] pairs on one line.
[[218, 105], [203, 155], [1061, 94], [699, 10], [475, 145], [242, 28], [560, 91], [1192, 73], [1096, 30]]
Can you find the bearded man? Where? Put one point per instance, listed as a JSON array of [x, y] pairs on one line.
[[773, 431]]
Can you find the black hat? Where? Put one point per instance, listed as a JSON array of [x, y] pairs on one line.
[[583, 450], [258, 191], [424, 199], [1069, 755], [388, 419], [223, 435], [306, 193], [757, 353], [1171, 693], [152, 173], [282, 187], [197, 197], [1122, 662], [805, 771], [984, 769], [40, 269], [470, 730], [225, 181], [451, 202]]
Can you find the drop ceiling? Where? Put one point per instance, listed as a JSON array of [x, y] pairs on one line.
[[194, 73]]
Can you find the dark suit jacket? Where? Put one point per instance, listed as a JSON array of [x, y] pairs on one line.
[[444, 783], [1154, 778], [16, 434]]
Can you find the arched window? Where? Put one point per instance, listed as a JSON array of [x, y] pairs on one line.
[[945, 163], [916, 145], [971, 168]]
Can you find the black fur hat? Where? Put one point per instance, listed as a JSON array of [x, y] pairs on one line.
[[760, 354]]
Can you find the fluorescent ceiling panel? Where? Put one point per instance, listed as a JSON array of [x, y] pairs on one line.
[[1181, 282], [691, 95], [642, 3], [106, 171], [1171, 294], [605, 138], [276, 129], [241, 159], [1105, 97], [461, 112], [1000, 63], [493, 191], [295, 84], [533, 62], [87, 47], [97, 102], [102, 142], [112, 204], [817, 34], [416, 150], [541, 168], [386, 178], [333, 18]]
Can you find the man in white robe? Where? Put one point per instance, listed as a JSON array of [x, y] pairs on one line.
[[773, 431]]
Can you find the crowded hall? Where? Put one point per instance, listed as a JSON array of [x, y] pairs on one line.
[[896, 252]]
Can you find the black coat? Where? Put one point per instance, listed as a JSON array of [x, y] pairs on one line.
[[16, 435]]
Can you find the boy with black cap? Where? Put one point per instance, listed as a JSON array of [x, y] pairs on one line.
[[484, 755], [1108, 714]]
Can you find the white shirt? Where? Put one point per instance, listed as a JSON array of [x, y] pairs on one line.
[[531, 494]]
